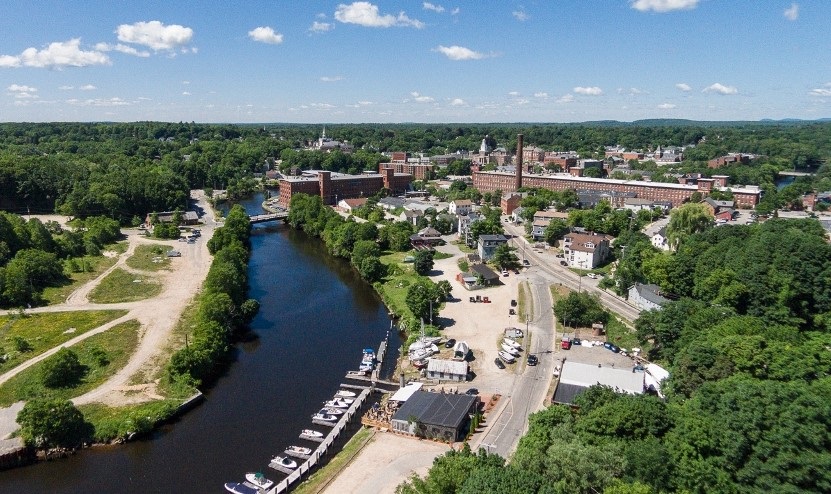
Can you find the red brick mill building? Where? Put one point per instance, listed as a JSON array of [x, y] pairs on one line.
[[677, 194], [332, 187]]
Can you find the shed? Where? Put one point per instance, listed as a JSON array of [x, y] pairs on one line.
[[406, 392], [435, 415], [487, 274], [447, 370]]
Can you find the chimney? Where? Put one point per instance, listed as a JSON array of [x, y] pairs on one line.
[[518, 161]]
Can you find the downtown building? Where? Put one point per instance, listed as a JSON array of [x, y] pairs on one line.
[[333, 187]]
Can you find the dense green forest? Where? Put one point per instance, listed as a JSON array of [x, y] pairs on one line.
[[125, 170]]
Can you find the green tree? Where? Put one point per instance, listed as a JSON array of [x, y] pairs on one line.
[[686, 220], [504, 257], [48, 423], [420, 296], [423, 262], [62, 370]]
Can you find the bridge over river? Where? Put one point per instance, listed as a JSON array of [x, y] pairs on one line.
[[262, 218]]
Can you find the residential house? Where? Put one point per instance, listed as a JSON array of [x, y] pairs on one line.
[[488, 244], [659, 239], [350, 205], [412, 216], [647, 297], [427, 237], [636, 204], [542, 219], [440, 416], [464, 228], [510, 202], [460, 206], [586, 250]]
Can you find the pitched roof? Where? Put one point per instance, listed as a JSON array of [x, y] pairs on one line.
[[462, 202], [456, 367], [355, 203], [651, 293], [622, 380], [485, 271], [446, 410]]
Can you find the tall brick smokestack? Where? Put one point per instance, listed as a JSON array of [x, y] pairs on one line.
[[518, 161]]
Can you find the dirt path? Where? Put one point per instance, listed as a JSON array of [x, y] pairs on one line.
[[157, 316]]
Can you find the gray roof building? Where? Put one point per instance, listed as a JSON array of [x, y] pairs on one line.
[[435, 415], [647, 296]]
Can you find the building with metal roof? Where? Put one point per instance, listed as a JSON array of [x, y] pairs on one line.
[[576, 377], [435, 415]]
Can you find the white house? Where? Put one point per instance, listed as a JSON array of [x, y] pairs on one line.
[[586, 250], [646, 297], [660, 240], [460, 206], [349, 205]]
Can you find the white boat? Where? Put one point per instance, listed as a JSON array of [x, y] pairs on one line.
[[345, 394], [258, 480], [325, 417], [460, 349], [343, 399], [509, 349], [331, 411], [238, 488], [336, 404], [299, 450], [284, 461], [311, 433], [511, 342], [507, 357], [423, 353]]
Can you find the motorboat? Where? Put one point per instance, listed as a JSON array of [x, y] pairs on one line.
[[460, 349], [299, 450], [507, 357], [239, 488], [311, 433], [325, 417], [336, 404], [284, 461], [331, 411], [345, 394], [509, 349], [356, 373], [343, 399], [258, 480]]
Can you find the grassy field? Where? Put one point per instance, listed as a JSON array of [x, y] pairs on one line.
[[114, 423], [95, 264], [41, 332], [394, 286], [121, 286], [525, 304], [150, 258], [102, 355], [322, 477]]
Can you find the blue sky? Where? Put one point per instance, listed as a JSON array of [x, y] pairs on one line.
[[405, 61]]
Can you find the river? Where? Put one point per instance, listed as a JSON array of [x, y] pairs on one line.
[[316, 314]]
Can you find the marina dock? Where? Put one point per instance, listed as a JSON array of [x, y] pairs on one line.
[[337, 427]]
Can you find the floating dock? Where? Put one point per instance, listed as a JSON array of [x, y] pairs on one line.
[[337, 427]]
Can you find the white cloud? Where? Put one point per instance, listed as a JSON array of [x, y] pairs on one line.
[[541, 95], [185, 93], [567, 98], [666, 106], [663, 5], [155, 35], [129, 50], [632, 91], [513, 94], [321, 27], [56, 55], [16, 88], [455, 11], [185, 83], [720, 89], [421, 98], [457, 102], [792, 13], [98, 102], [87, 87], [683, 86], [66, 88], [520, 15], [324, 106], [459, 53], [821, 91], [365, 103], [265, 34], [433, 7], [331, 78], [367, 15], [588, 91]]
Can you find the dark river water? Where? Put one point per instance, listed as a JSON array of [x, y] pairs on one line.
[[316, 315]]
